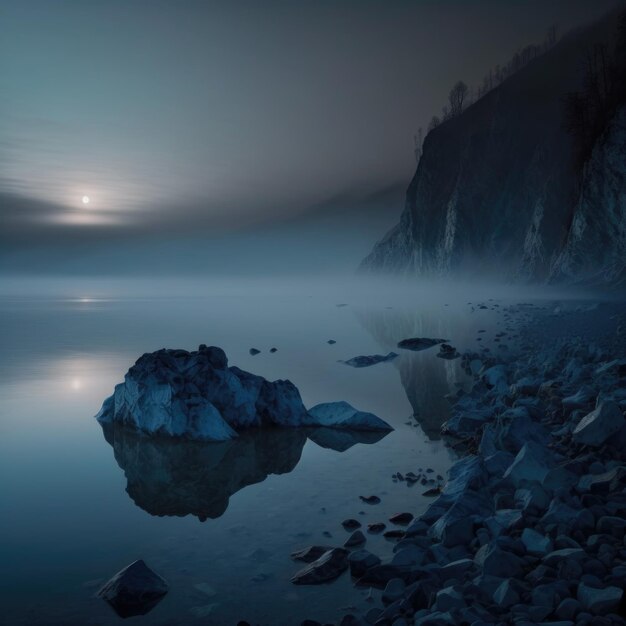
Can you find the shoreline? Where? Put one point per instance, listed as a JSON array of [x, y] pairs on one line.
[[529, 528]]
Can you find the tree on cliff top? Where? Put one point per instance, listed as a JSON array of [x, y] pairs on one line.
[[457, 97]]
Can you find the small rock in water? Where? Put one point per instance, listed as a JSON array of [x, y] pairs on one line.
[[357, 538], [394, 534], [401, 519], [419, 343], [135, 590], [351, 524], [328, 567], [331, 341], [310, 554], [254, 351], [376, 528], [370, 499]]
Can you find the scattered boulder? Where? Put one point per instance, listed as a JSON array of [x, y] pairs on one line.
[[402, 519], [599, 601], [536, 543], [357, 538], [600, 425], [310, 554], [531, 464], [376, 528], [351, 524], [327, 567], [360, 561], [135, 590]]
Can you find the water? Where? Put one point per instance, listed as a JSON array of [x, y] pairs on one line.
[[71, 518]]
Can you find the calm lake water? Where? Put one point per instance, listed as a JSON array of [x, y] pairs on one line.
[[74, 511]]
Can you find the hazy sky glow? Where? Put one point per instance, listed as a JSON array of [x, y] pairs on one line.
[[198, 116]]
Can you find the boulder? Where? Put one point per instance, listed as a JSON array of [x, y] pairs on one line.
[[531, 464], [327, 567], [536, 543], [495, 378], [599, 601], [505, 596], [496, 562], [342, 415], [393, 591], [196, 395], [310, 554], [600, 425], [449, 598], [360, 561], [357, 538], [135, 590], [582, 398]]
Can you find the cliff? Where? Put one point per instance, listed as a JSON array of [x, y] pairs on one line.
[[498, 191]]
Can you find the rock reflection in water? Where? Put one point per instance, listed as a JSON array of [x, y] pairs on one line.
[[425, 378], [178, 477]]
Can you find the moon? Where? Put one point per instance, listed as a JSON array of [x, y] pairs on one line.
[[85, 199]]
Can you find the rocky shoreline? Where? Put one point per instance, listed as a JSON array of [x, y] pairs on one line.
[[529, 527]]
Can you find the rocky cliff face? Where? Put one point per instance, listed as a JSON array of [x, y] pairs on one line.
[[497, 190], [595, 249]]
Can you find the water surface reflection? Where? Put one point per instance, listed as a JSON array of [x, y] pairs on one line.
[[177, 477]]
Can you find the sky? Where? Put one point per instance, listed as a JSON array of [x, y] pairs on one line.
[[185, 120]]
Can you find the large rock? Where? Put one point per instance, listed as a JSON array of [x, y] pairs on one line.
[[197, 396], [328, 567], [600, 601], [536, 543], [135, 590], [360, 561], [600, 425], [531, 464], [497, 562]]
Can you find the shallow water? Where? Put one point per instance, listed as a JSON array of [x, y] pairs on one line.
[[71, 518]]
